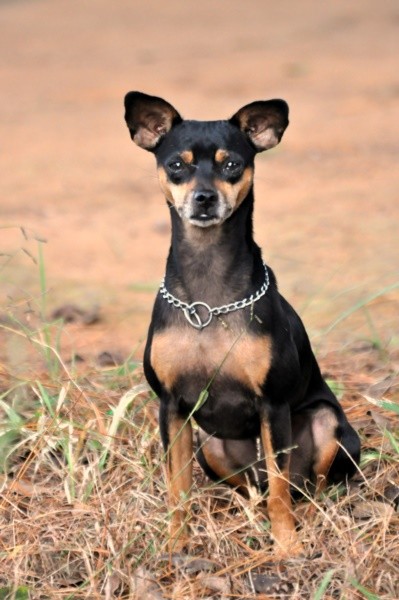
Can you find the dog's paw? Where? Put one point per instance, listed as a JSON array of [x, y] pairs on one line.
[[287, 544], [287, 550], [178, 538]]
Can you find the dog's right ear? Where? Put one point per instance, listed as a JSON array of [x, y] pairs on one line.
[[149, 119]]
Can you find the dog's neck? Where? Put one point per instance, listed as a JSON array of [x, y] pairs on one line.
[[216, 264]]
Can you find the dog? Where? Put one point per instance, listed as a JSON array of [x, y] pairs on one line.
[[224, 347]]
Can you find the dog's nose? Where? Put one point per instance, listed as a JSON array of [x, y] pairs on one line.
[[202, 196]]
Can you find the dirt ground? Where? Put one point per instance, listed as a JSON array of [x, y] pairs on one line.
[[84, 233], [327, 198]]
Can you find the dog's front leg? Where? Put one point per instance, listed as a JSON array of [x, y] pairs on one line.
[[177, 439], [277, 439]]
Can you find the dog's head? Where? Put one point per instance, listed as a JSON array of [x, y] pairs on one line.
[[205, 168]]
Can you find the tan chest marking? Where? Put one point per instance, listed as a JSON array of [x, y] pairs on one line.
[[241, 356]]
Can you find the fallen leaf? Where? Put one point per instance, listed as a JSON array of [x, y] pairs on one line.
[[262, 583], [198, 565], [372, 509], [26, 488], [213, 583], [109, 359], [381, 421], [144, 587], [71, 313], [391, 493]]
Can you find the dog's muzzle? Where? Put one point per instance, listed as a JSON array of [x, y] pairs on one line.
[[207, 207]]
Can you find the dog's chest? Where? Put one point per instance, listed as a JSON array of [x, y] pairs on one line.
[[178, 353]]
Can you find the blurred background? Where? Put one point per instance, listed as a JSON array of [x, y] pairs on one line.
[[84, 226]]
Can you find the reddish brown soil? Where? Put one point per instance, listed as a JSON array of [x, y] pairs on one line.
[[327, 198]]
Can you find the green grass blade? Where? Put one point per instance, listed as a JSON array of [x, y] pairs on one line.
[[366, 593], [358, 305], [324, 584]]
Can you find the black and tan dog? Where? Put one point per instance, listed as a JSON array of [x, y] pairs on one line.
[[224, 347]]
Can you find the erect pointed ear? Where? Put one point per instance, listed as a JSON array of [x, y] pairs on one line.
[[149, 118], [264, 122]]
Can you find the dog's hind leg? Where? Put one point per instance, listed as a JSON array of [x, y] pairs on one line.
[[324, 424], [337, 446], [326, 448]]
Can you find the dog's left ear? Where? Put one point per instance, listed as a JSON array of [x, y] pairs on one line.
[[264, 122], [149, 118]]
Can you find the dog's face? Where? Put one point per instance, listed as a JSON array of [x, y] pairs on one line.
[[205, 168]]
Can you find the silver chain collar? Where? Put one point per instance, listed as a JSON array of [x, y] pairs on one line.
[[194, 318]]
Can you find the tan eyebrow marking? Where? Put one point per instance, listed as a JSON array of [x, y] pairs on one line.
[[221, 155], [187, 156]]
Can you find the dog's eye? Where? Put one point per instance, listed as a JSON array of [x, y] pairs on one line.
[[176, 166], [232, 167]]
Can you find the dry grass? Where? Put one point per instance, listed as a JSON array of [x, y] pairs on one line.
[[84, 511]]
